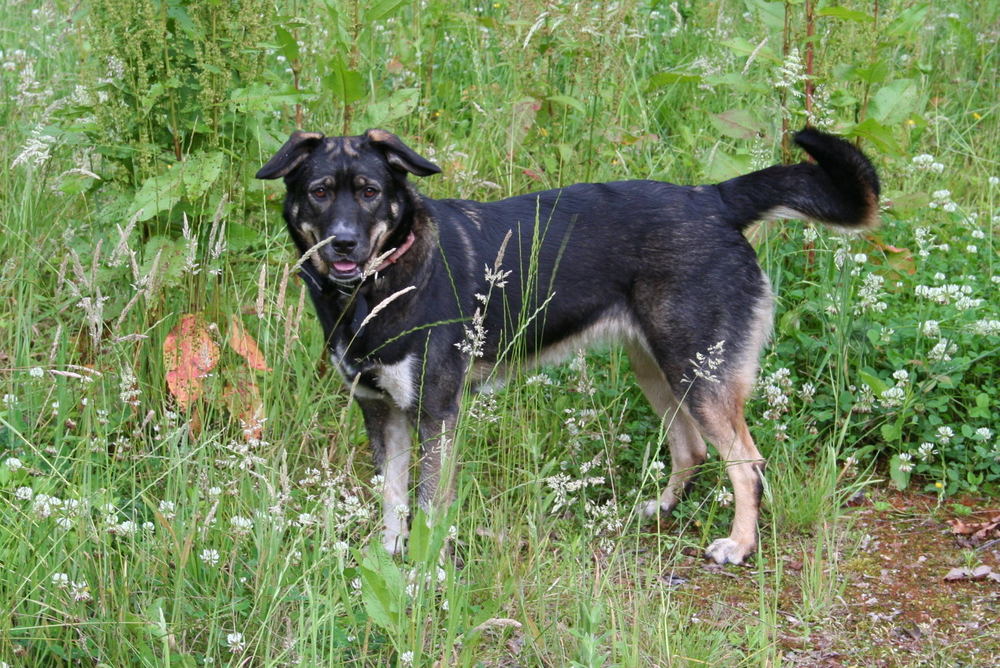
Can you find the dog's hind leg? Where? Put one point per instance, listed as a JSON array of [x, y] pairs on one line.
[[687, 447], [389, 432], [722, 421]]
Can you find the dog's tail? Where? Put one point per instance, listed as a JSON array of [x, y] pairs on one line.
[[841, 188]]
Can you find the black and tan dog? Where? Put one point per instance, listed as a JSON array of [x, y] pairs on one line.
[[399, 282]]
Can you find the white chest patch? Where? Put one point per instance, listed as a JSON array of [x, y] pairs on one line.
[[398, 381]]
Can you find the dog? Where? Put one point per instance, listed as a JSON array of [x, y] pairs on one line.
[[420, 298]]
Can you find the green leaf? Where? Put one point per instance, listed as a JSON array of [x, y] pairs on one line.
[[568, 101], [877, 134], [738, 124], [890, 432], [896, 101], [900, 479], [199, 174], [877, 384], [845, 14], [287, 44], [381, 10], [346, 85], [722, 166], [669, 78], [382, 588]]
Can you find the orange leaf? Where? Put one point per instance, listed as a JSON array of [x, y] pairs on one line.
[[189, 354], [245, 346]]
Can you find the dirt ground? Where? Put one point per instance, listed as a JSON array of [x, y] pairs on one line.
[[902, 588]]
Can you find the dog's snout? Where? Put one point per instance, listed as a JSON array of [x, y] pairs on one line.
[[344, 246], [345, 238]]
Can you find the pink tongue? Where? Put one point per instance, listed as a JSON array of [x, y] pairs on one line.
[[345, 266]]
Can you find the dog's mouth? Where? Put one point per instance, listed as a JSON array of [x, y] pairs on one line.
[[345, 270]]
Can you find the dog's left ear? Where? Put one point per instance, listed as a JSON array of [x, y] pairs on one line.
[[296, 149], [400, 155]]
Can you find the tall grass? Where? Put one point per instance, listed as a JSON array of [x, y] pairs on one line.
[[137, 531]]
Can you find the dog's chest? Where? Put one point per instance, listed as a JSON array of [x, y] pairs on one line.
[[395, 381]]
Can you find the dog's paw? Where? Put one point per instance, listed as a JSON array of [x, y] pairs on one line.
[[393, 542], [654, 508], [728, 551]]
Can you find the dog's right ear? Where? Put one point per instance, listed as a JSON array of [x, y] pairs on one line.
[[296, 149]]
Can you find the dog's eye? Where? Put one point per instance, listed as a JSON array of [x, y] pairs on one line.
[[319, 193], [368, 192]]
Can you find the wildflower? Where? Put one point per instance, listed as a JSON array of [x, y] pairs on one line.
[[24, 493], [209, 557], [925, 450], [656, 469], [406, 658], [983, 434], [905, 462], [993, 180], [892, 397], [807, 392], [80, 591], [704, 365], [901, 375], [60, 580], [167, 509], [724, 497], [538, 379], [869, 293], [945, 434], [930, 328], [341, 547], [13, 464], [36, 372], [402, 511], [985, 327], [241, 525], [791, 73], [235, 642], [941, 352]]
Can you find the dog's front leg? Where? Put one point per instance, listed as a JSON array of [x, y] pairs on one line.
[[389, 433]]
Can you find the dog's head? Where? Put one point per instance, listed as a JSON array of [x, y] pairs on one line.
[[349, 190]]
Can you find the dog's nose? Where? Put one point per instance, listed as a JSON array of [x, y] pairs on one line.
[[344, 246]]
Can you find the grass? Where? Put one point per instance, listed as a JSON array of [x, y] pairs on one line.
[[137, 530]]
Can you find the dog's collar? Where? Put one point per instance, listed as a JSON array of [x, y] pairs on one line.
[[398, 253]]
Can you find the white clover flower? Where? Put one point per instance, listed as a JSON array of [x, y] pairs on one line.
[[401, 511], [235, 642], [24, 493], [945, 434], [168, 509], [941, 352], [80, 591], [14, 464], [993, 180], [905, 462], [656, 469], [341, 547], [925, 450], [930, 328], [209, 556], [36, 372], [242, 525], [901, 375], [60, 580], [983, 434], [724, 497], [406, 658], [892, 397]]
